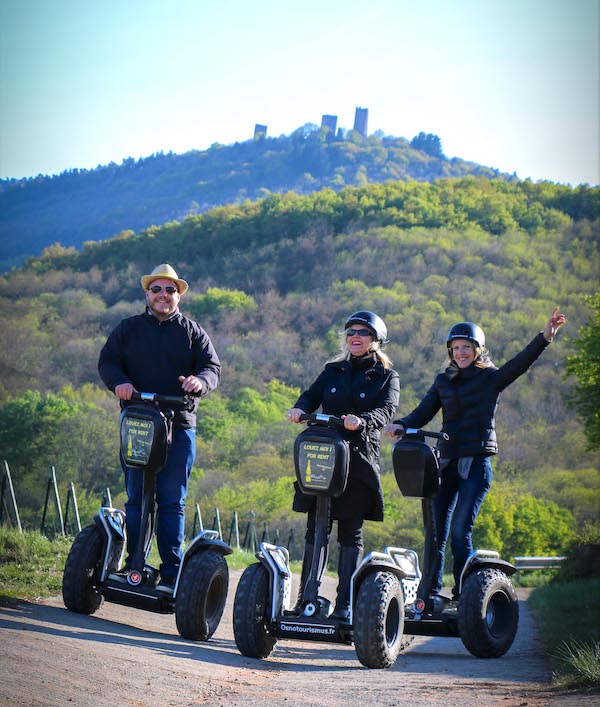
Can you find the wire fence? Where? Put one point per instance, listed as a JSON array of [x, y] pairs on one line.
[[56, 522]]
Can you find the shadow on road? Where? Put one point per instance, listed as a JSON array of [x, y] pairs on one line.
[[424, 655], [60, 623]]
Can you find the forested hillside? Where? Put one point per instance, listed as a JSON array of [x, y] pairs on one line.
[[272, 281], [81, 205]]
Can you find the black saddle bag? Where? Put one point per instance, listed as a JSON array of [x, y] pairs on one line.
[[416, 467]]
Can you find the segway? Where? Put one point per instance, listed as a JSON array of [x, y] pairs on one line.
[[487, 615], [92, 572], [380, 586]]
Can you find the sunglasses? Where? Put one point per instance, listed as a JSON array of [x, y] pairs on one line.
[[360, 332], [169, 289]]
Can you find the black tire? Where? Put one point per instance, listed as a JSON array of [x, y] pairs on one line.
[[250, 608], [201, 595], [79, 585], [488, 613], [379, 620]]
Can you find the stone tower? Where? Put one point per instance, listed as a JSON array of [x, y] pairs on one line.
[[361, 118]]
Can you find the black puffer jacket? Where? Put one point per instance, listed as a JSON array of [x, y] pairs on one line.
[[365, 388], [151, 355], [469, 402]]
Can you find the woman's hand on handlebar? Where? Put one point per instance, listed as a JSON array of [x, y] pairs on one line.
[[293, 414], [123, 391], [393, 429], [352, 422], [190, 384]]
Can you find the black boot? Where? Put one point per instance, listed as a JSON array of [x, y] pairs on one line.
[[350, 557]]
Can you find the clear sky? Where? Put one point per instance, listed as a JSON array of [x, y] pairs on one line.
[[511, 84]]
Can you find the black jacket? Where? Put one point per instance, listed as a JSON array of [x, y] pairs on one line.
[[469, 402], [368, 390], [151, 355]]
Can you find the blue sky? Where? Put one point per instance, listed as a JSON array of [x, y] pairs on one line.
[[512, 84]]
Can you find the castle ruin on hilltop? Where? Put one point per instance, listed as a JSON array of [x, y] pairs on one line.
[[361, 119]]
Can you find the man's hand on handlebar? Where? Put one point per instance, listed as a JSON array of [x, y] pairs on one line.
[[123, 391], [393, 429], [293, 415]]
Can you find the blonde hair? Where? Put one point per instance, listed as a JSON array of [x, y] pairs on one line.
[[375, 349]]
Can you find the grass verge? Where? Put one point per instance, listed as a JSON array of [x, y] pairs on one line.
[[569, 614], [31, 565]]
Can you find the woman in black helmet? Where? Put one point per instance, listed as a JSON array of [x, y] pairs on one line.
[[360, 386], [467, 393]]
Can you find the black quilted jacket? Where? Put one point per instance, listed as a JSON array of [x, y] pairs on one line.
[[469, 402]]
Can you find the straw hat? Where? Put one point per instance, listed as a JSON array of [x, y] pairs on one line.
[[164, 271]]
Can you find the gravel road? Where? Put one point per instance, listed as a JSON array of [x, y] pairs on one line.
[[121, 656]]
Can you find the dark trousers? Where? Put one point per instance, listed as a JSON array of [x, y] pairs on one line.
[[171, 492], [349, 530], [455, 509]]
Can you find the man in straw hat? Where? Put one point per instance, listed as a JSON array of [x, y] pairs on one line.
[[161, 351]]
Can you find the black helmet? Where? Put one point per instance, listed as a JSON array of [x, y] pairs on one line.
[[466, 330], [371, 320]]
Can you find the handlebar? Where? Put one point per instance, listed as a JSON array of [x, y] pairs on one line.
[[317, 418], [181, 401], [424, 433]]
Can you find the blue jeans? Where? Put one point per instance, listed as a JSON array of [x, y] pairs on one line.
[[455, 509], [171, 492]]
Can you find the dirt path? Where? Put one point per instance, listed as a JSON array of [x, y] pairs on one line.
[[120, 656]]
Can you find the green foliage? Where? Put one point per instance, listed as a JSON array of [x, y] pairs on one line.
[[516, 523], [539, 528], [80, 207], [579, 665], [577, 490], [585, 365], [273, 281], [31, 565], [69, 431], [582, 556], [571, 638], [218, 300], [272, 499], [428, 143], [229, 430]]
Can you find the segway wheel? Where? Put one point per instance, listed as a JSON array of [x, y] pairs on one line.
[[201, 595], [379, 620], [488, 613], [79, 586], [250, 613]]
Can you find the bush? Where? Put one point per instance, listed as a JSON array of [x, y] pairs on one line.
[[582, 558]]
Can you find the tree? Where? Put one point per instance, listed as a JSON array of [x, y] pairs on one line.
[[217, 300], [585, 365], [539, 528], [428, 143]]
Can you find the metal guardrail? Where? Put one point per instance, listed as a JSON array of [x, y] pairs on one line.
[[537, 563]]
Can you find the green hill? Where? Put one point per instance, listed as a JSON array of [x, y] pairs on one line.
[[272, 281], [81, 205]]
